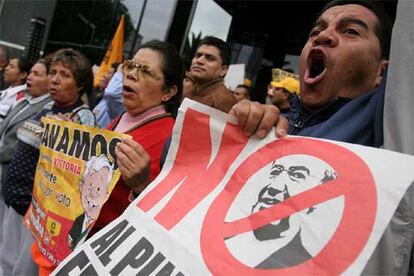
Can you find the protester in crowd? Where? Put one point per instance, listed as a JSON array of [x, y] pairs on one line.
[[328, 96], [111, 104], [241, 92], [12, 233], [4, 60], [282, 93], [70, 76], [204, 82], [98, 92], [208, 69], [351, 37], [152, 92], [15, 75]]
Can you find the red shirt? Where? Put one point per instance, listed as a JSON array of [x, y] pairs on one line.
[[152, 137]]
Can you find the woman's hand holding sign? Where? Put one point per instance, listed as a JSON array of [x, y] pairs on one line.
[[134, 164]]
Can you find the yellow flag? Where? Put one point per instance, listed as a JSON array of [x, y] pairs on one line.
[[114, 53]]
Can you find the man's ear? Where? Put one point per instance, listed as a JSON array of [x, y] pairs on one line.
[[224, 69], [169, 93], [381, 71]]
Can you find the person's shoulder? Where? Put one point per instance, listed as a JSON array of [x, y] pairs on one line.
[[155, 131], [84, 116], [163, 123]]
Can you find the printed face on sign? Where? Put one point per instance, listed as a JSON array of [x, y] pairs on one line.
[[94, 185], [296, 238], [288, 177]]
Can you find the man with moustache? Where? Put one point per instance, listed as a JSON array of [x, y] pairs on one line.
[[342, 71], [342, 66]]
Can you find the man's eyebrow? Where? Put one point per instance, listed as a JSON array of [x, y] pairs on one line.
[[350, 20], [207, 55], [344, 21], [320, 23], [299, 168]]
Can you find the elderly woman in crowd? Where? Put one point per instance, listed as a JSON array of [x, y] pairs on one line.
[[11, 230], [152, 92], [70, 76]]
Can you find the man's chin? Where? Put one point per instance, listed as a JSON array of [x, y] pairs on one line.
[[313, 103], [272, 231]]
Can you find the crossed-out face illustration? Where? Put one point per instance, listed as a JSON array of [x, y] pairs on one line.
[[289, 176], [288, 241]]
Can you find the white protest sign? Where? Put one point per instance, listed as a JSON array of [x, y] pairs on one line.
[[226, 204], [234, 76]]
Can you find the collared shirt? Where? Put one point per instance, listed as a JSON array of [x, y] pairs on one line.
[[8, 99], [31, 101], [127, 121], [111, 104]]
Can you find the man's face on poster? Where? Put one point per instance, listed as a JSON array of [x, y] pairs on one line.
[[93, 191], [289, 176]]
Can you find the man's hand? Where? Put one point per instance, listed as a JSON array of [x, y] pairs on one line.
[[258, 119], [134, 164]]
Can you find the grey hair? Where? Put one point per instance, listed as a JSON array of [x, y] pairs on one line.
[[96, 164]]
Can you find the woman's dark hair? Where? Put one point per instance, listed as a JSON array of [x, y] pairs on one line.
[[173, 70], [24, 65], [78, 64], [384, 24]]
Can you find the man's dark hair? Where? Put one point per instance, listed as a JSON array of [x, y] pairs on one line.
[[224, 48], [24, 65], [383, 27], [173, 70], [243, 86]]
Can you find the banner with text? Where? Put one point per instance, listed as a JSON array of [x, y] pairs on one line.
[[75, 174], [226, 204]]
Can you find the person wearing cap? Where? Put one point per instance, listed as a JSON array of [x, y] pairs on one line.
[[282, 93]]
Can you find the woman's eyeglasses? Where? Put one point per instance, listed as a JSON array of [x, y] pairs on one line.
[[129, 65]]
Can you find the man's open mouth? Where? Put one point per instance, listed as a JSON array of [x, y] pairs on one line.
[[316, 67]]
